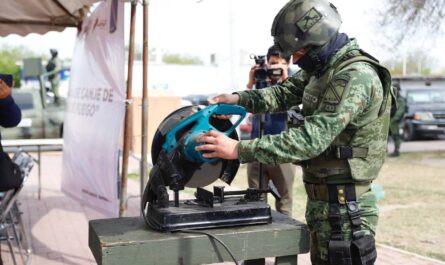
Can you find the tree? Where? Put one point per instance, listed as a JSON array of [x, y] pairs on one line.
[[416, 62], [175, 58], [412, 20], [9, 58]]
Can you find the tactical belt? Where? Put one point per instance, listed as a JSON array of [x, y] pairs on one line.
[[345, 152], [320, 192]]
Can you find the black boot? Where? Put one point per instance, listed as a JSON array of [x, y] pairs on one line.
[[395, 153]]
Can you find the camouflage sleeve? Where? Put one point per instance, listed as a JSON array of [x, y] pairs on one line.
[[352, 92], [275, 98]]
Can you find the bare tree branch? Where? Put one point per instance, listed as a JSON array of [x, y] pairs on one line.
[[405, 21]]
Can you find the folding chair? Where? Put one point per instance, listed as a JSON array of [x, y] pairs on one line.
[[10, 215]]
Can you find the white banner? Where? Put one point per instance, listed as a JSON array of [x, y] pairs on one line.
[[96, 107]]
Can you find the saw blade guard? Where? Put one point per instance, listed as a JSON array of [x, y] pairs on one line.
[[202, 125]]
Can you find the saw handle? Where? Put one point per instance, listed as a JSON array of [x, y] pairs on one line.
[[202, 120], [204, 126], [223, 109]]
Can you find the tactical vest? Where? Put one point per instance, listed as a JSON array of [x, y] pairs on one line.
[[356, 154]]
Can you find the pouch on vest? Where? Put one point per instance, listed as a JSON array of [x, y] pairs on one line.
[[339, 252], [363, 251]]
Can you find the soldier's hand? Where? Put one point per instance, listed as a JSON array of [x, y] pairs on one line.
[[225, 98], [5, 90], [217, 145]]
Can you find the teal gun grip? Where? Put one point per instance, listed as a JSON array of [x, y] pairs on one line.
[[202, 120]]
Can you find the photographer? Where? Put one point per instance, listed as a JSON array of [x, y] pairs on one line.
[[264, 74]]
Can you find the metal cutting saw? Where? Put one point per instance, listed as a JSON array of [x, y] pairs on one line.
[[177, 165]]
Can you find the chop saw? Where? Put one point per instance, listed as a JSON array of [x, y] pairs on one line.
[[177, 165]]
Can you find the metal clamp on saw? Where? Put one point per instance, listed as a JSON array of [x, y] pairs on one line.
[[177, 165]]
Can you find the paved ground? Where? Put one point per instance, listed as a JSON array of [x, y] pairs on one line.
[[419, 146], [58, 225]]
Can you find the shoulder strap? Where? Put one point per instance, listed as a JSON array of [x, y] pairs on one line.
[[384, 75]]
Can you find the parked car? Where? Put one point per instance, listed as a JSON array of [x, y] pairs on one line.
[[41, 118], [425, 112]]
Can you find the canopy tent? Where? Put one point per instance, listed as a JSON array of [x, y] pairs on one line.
[[40, 16]]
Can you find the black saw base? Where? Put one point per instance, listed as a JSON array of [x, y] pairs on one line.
[[190, 215]]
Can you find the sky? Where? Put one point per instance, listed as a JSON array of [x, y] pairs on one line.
[[221, 27]]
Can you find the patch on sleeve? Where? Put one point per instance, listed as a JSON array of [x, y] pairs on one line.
[[335, 89], [328, 107]]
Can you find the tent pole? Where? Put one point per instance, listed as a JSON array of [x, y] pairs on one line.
[[144, 164], [128, 128]]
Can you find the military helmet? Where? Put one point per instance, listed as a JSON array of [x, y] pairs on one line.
[[304, 22], [53, 52]]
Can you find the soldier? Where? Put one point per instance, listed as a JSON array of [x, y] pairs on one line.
[[53, 68], [346, 97], [396, 117]]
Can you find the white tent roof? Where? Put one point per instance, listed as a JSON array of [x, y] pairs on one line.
[[40, 16]]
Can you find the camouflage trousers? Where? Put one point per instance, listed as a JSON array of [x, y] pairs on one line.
[[394, 132], [55, 84], [320, 229]]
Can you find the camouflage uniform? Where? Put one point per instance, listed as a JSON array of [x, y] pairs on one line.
[[396, 118], [54, 76], [346, 103]]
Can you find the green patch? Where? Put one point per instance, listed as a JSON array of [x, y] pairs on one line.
[[328, 108], [309, 20], [133, 175]]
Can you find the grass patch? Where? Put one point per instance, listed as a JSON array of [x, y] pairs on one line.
[[133, 175], [411, 211]]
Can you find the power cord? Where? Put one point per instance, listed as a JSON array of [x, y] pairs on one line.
[[213, 237]]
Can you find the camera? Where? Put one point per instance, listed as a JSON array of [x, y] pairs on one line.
[[263, 74]]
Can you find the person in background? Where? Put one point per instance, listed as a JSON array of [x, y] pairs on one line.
[[282, 176], [10, 114], [397, 114], [53, 69]]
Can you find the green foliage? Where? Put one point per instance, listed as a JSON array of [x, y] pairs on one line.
[[175, 58], [417, 62], [10, 57], [133, 175]]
